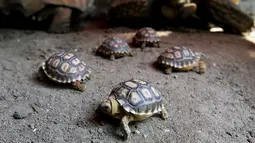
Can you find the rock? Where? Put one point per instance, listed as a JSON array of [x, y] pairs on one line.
[[32, 125], [136, 132], [100, 131], [166, 130], [227, 15], [228, 133], [22, 112]]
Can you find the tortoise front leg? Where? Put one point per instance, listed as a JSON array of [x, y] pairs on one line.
[[112, 57], [79, 85], [124, 126], [164, 114], [158, 45], [143, 45], [168, 70], [201, 67], [61, 20], [131, 54], [41, 75]]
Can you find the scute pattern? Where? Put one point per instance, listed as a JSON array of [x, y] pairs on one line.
[[146, 34], [127, 8], [114, 45], [31, 7], [178, 57], [65, 68], [141, 99]]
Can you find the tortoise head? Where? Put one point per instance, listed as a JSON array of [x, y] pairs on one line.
[[111, 107]]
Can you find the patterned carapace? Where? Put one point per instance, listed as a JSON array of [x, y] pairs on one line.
[[138, 97], [65, 68]]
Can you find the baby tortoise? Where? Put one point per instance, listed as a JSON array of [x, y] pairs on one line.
[[133, 100], [66, 68], [63, 11], [114, 47], [181, 59], [146, 36]]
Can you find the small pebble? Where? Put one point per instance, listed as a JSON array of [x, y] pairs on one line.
[[100, 131], [229, 134], [136, 132], [22, 112], [32, 126]]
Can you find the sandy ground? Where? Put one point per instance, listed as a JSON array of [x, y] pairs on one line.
[[216, 107]]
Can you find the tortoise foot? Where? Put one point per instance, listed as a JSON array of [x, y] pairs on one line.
[[112, 57], [158, 44], [59, 29], [79, 85], [188, 10], [164, 114], [202, 67], [168, 71], [61, 21]]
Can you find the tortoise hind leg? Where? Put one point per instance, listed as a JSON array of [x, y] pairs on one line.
[[131, 54], [164, 114], [61, 20], [79, 85], [158, 45], [143, 45]]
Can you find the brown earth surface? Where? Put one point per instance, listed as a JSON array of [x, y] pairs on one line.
[[216, 107]]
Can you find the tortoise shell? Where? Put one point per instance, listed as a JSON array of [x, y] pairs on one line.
[[138, 97], [65, 68], [30, 7], [146, 34], [178, 57], [128, 8], [114, 45]]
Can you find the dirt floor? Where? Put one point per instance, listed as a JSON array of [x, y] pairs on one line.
[[216, 107]]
